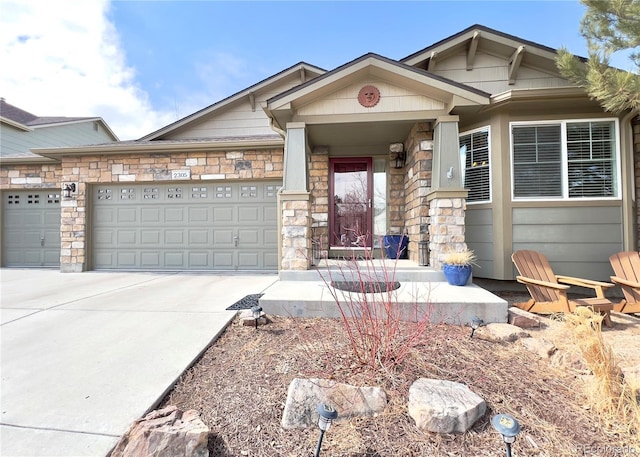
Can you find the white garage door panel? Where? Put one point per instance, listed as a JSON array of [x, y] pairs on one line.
[[185, 226], [31, 228]]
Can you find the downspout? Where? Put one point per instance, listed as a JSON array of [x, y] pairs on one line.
[[283, 134], [629, 209]]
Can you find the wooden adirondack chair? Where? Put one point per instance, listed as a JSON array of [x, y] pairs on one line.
[[549, 291], [626, 266]]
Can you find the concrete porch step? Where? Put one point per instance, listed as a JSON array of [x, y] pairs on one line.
[[374, 269], [437, 300]]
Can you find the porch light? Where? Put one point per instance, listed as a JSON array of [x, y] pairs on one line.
[[399, 162], [398, 155], [68, 190], [508, 427], [255, 311], [327, 415]]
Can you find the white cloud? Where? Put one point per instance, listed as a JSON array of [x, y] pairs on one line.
[[63, 58]]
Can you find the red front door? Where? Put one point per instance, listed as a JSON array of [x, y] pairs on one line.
[[350, 193]]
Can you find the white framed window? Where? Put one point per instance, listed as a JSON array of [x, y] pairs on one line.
[[474, 157], [571, 159]]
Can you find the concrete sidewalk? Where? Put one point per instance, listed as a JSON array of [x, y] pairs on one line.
[[85, 354]]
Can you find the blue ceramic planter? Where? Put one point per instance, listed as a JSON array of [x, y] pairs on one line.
[[395, 246], [457, 275]]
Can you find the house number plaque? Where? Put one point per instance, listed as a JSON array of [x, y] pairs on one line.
[[180, 174]]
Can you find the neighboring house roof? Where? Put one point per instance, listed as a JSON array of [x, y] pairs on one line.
[[299, 67], [29, 135], [13, 115]]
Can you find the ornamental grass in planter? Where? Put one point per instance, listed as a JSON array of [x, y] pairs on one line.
[[457, 266]]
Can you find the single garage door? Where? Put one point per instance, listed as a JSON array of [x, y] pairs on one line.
[[191, 226], [31, 228]]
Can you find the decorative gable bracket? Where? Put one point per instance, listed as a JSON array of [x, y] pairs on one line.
[[514, 64]]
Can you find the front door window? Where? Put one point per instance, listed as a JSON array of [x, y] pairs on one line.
[[350, 202]]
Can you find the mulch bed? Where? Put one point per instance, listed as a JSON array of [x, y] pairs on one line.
[[240, 387]]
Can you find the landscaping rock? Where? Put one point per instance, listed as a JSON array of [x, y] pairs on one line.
[[246, 318], [443, 406], [305, 395], [523, 319], [542, 347], [569, 359], [500, 332], [167, 432]]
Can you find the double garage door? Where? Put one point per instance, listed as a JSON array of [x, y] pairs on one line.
[[188, 226], [31, 228]]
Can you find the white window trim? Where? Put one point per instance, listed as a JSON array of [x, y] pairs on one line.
[[486, 128], [565, 159]]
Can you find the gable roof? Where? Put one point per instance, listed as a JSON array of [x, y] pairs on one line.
[[300, 67], [495, 41], [279, 108], [372, 57], [23, 120]]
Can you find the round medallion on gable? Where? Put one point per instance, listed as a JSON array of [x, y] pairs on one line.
[[369, 96]]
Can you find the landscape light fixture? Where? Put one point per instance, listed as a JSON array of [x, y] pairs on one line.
[[256, 310], [476, 323], [327, 415], [68, 190], [508, 427]]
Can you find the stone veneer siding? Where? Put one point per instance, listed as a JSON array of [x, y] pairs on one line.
[[296, 232], [319, 189], [395, 197], [30, 176], [135, 168], [447, 231], [417, 183]]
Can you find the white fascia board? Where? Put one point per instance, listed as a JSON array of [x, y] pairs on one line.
[[15, 124], [26, 160], [541, 93], [129, 148]]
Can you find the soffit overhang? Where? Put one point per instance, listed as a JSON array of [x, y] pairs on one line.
[[161, 146], [287, 107]]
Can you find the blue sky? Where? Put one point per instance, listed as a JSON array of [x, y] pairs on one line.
[[143, 64]]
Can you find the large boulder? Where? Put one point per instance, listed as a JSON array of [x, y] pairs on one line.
[[305, 395], [444, 406], [499, 332], [167, 432]]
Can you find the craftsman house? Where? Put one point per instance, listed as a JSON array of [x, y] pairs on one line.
[[475, 139]]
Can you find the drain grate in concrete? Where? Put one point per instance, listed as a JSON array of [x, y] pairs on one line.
[[368, 287], [245, 303]]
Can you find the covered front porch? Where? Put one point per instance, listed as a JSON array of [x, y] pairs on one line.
[[371, 149]]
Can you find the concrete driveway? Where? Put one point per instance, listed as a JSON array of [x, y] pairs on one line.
[[85, 354]]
